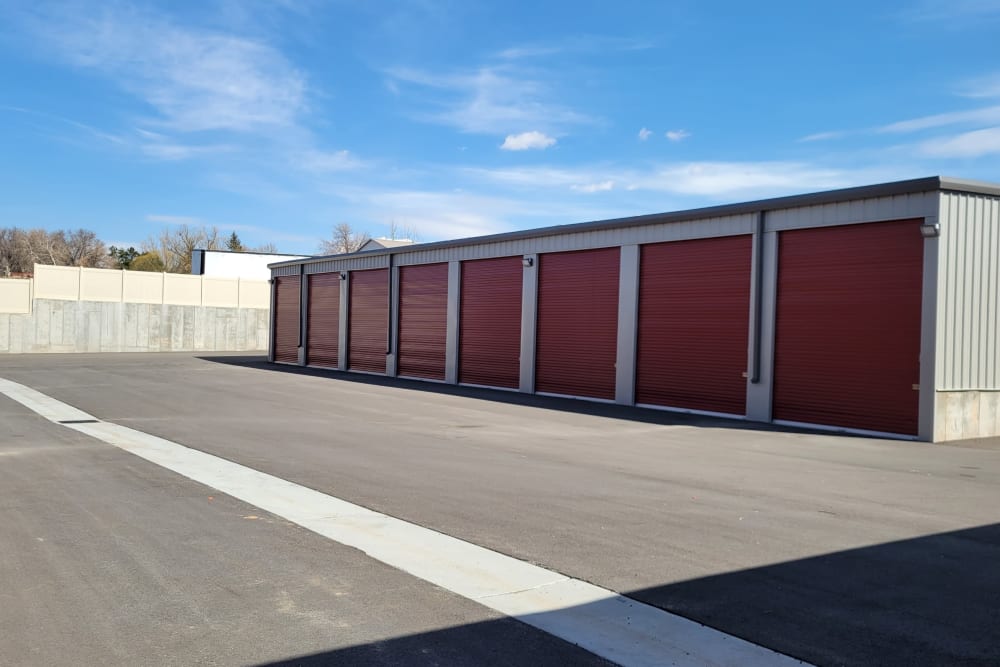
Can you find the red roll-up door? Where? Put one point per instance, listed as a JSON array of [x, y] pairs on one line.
[[847, 346], [368, 320], [577, 334], [694, 310], [490, 322], [324, 319], [423, 320], [286, 319]]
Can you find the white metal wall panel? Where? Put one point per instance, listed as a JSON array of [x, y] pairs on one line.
[[857, 211], [968, 292]]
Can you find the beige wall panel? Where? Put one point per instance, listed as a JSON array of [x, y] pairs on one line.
[[181, 290], [255, 294], [57, 282], [15, 296], [220, 292], [100, 285], [143, 287]]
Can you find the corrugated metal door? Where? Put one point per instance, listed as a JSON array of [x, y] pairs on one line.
[[423, 320], [368, 320], [286, 319], [490, 322], [324, 319], [694, 310], [848, 326], [577, 335]]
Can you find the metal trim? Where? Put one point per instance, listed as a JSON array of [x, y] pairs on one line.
[[913, 186]]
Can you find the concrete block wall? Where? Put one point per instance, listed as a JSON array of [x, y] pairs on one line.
[[59, 325], [72, 309], [966, 414]]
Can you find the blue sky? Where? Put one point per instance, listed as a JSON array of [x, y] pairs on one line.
[[456, 118]]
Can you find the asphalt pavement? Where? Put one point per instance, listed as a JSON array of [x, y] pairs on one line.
[[830, 548]]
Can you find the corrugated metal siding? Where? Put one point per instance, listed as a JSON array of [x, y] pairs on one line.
[[847, 342], [423, 320], [672, 231], [490, 322], [857, 211], [292, 270], [324, 319], [368, 321], [361, 263], [286, 319], [576, 343], [694, 310], [968, 293]]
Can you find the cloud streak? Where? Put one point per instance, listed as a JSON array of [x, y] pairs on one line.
[[490, 100], [527, 141], [195, 80], [968, 144]]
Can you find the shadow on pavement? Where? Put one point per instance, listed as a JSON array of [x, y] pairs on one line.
[[571, 405], [931, 600]]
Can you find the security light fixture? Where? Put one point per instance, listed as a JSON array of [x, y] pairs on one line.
[[343, 275], [527, 262], [930, 230]]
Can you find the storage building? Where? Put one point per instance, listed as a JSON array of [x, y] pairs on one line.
[[870, 309]]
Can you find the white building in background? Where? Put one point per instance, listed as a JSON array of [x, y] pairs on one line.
[[383, 243], [228, 264]]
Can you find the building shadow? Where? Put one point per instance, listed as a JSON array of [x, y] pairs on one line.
[[931, 600], [570, 405]]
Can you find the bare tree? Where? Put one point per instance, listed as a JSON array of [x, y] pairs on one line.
[[21, 249], [344, 239], [83, 248], [268, 247], [12, 252], [174, 245], [403, 232], [42, 247]]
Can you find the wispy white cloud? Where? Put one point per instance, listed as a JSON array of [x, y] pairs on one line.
[[645, 134], [172, 152], [677, 135], [603, 186], [823, 136], [945, 12], [575, 44], [256, 232], [527, 141], [982, 87], [195, 79], [327, 161], [434, 214], [984, 115], [967, 144], [489, 100], [693, 179]]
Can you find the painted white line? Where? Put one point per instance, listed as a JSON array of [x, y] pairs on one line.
[[597, 619]]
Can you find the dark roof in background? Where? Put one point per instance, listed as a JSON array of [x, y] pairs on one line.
[[912, 186]]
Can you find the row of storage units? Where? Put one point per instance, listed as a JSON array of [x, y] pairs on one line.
[[814, 323]]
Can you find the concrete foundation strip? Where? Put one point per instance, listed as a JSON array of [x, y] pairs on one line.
[[597, 619]]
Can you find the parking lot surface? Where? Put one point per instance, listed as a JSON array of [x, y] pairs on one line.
[[830, 548]]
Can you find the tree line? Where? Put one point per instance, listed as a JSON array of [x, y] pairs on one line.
[[169, 250]]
